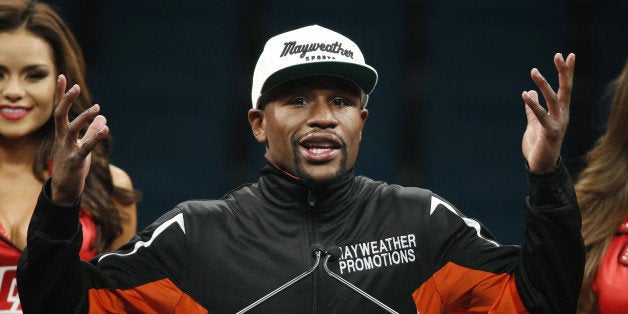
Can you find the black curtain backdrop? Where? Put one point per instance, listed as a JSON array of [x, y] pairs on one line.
[[174, 78]]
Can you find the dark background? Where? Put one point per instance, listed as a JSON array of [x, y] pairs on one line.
[[174, 78]]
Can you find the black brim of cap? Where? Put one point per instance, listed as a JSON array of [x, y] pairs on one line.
[[362, 76]]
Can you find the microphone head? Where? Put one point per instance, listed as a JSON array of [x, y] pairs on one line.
[[316, 248], [334, 253]]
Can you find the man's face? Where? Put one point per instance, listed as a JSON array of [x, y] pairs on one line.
[[312, 127]]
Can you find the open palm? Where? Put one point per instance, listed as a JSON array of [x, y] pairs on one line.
[[546, 129], [71, 154]]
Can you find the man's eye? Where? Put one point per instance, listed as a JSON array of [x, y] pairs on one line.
[[339, 102], [300, 101]]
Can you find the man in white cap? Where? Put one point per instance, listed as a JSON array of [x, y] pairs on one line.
[[310, 236]]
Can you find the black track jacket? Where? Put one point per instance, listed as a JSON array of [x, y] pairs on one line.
[[405, 246]]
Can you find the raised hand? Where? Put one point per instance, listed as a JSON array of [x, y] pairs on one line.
[[71, 155], [546, 130]]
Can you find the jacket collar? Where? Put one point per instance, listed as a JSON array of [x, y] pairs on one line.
[[288, 192]]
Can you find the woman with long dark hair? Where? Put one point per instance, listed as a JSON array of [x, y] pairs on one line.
[[36, 46], [602, 191]]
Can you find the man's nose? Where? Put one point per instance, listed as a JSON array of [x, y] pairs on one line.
[[322, 115]]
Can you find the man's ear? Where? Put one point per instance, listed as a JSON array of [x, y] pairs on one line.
[[363, 115], [258, 126]]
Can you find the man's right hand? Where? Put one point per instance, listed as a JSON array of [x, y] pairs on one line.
[[71, 155]]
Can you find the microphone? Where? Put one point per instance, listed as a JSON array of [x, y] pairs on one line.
[[332, 254], [317, 250]]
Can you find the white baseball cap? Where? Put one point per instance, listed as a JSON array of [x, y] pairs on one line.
[[310, 50]]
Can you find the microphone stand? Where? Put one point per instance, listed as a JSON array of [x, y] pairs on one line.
[[330, 255], [317, 255]]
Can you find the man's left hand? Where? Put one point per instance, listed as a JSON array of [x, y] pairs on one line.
[[546, 130]]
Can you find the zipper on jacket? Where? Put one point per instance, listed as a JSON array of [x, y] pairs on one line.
[[312, 237], [311, 199]]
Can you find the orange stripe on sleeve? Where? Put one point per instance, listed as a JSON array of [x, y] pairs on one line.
[[459, 289], [427, 299], [160, 296]]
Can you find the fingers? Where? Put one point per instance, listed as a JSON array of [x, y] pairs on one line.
[[565, 70], [96, 131], [60, 121], [63, 102], [68, 132], [546, 89], [557, 103], [60, 88], [82, 120], [531, 99]]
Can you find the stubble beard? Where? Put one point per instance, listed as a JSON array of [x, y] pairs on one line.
[[305, 177]]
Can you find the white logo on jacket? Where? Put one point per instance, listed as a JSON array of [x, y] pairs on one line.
[[376, 254]]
